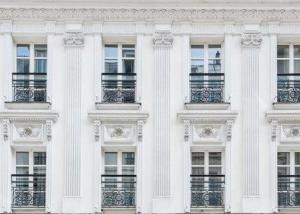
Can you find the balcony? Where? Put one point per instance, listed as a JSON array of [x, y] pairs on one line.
[[118, 191], [28, 191], [288, 191], [207, 87], [118, 87], [207, 191], [288, 88], [29, 87]]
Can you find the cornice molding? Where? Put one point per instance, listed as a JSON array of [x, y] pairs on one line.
[[29, 115], [119, 116], [207, 116], [109, 14], [284, 116]]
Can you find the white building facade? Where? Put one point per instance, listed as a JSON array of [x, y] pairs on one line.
[[149, 106]]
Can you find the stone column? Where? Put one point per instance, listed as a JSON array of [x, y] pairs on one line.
[[97, 166], [187, 166], [162, 42], [139, 173], [250, 112], [74, 42], [228, 134], [48, 131]]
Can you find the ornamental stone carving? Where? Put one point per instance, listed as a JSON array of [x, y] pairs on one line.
[[251, 40], [187, 129], [274, 126], [97, 125], [74, 39], [207, 132], [291, 131], [140, 124], [5, 128], [229, 124], [163, 39], [48, 129], [28, 132]]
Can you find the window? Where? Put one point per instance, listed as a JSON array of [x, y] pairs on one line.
[[119, 77], [207, 180], [288, 72], [29, 182], [119, 179], [288, 169], [29, 80], [206, 77]]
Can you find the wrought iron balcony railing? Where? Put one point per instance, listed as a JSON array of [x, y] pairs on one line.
[[29, 87], [28, 190], [207, 87], [207, 190], [118, 190], [288, 190], [118, 87], [288, 88]]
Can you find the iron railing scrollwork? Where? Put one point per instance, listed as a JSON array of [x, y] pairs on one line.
[[207, 87], [288, 88], [118, 87], [28, 190], [29, 87], [288, 190], [207, 190], [118, 190]]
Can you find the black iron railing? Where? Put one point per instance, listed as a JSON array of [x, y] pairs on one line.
[[118, 190], [288, 88], [207, 87], [118, 87], [207, 190], [288, 190], [28, 190], [29, 87]]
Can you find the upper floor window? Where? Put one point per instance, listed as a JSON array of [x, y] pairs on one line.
[[206, 77], [288, 72], [30, 78], [119, 77]]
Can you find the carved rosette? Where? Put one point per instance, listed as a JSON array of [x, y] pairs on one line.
[[187, 130], [251, 40], [140, 124], [74, 39], [291, 131], [5, 129], [274, 128], [97, 125], [229, 124], [163, 39]]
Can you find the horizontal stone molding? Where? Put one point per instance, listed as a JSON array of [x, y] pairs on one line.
[[36, 115]]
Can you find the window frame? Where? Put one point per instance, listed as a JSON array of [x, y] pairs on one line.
[[31, 164], [119, 162]]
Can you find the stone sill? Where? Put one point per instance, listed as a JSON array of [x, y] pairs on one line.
[[286, 106], [293, 210], [118, 106], [119, 210], [206, 106], [207, 210], [28, 210], [28, 106]]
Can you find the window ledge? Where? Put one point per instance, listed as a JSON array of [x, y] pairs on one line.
[[286, 106], [118, 106], [206, 106], [28, 210], [289, 210], [26, 106], [207, 210], [120, 210]]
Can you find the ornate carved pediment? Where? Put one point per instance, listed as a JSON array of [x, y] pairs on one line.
[[74, 39], [251, 40]]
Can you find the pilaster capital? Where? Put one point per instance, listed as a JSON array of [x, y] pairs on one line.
[[163, 39], [74, 39], [251, 39]]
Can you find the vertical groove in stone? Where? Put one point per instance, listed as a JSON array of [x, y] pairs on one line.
[[72, 120]]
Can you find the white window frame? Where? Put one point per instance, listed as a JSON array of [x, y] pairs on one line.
[[31, 160], [206, 161], [119, 162]]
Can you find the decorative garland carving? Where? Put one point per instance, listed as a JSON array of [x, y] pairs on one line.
[[229, 124], [29, 131], [187, 129], [140, 125], [274, 126], [148, 14], [251, 40], [163, 39], [74, 39], [48, 129], [291, 131], [207, 132], [5, 129], [97, 125]]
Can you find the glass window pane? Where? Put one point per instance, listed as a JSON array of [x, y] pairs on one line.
[[40, 50], [283, 158], [297, 158], [111, 66], [297, 51], [111, 158], [282, 66], [127, 170], [197, 170], [111, 51], [22, 170], [283, 171], [22, 158], [214, 66], [282, 51], [39, 170], [215, 170], [23, 65], [128, 158], [39, 158], [128, 52], [40, 66], [214, 51], [215, 158], [197, 51], [23, 51], [296, 66], [197, 66], [128, 66], [110, 170], [197, 158], [297, 171]]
